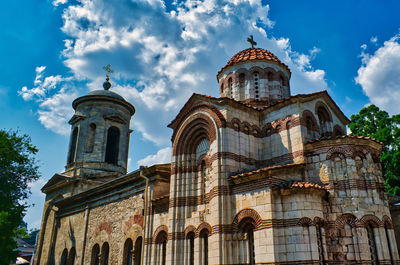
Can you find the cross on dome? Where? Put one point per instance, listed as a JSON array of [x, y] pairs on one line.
[[251, 41], [109, 71]]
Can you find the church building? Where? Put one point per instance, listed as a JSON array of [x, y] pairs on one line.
[[257, 176]]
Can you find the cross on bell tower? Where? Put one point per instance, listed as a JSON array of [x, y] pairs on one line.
[[109, 71], [251, 41]]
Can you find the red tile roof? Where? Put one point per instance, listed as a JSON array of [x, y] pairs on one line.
[[253, 54], [306, 185], [344, 136], [265, 169]]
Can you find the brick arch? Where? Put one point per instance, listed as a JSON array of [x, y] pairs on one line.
[[233, 76], [104, 226], [303, 121], [305, 221], [242, 71], [284, 78], [189, 229], [235, 123], [358, 154], [211, 110], [267, 130], [203, 226], [370, 219], [321, 104], [345, 152], [387, 222], [197, 129], [197, 126], [160, 229], [270, 72], [255, 131], [287, 122], [247, 213], [346, 218], [245, 127], [258, 69]]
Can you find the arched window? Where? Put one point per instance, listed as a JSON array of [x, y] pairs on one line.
[[161, 248], [64, 255], [72, 145], [204, 240], [241, 86], [128, 251], [203, 182], [318, 229], [202, 148], [105, 250], [230, 86], [138, 251], [372, 244], [247, 228], [337, 131], [222, 88], [190, 240], [112, 147], [389, 244], [90, 138], [256, 85], [71, 256], [324, 119], [310, 128], [94, 260]]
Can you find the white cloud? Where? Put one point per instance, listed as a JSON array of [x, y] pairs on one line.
[[161, 57], [162, 156], [59, 2], [379, 75], [53, 95], [36, 201], [374, 39]]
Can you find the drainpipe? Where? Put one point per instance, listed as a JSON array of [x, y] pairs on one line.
[[146, 206], [87, 210]]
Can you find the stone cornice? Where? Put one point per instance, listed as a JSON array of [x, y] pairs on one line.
[[266, 173], [98, 193]]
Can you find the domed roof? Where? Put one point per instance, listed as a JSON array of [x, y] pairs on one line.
[[106, 93], [253, 54]]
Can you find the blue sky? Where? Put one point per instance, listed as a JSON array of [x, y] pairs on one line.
[[162, 52]]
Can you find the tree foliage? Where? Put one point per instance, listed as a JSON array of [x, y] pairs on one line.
[[17, 169], [376, 123]]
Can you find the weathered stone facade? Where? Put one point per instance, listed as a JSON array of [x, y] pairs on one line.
[[257, 177]]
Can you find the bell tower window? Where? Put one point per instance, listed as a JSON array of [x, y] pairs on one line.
[[230, 86], [256, 85], [112, 147], [72, 147]]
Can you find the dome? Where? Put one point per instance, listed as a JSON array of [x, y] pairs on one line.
[[106, 93], [253, 54]]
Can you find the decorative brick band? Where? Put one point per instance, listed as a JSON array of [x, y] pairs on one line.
[[267, 130], [198, 200], [356, 184], [349, 148], [262, 224], [283, 159]]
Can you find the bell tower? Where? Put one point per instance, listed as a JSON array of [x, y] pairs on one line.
[[99, 141]]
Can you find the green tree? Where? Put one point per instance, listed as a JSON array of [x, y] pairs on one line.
[[376, 123], [17, 169]]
